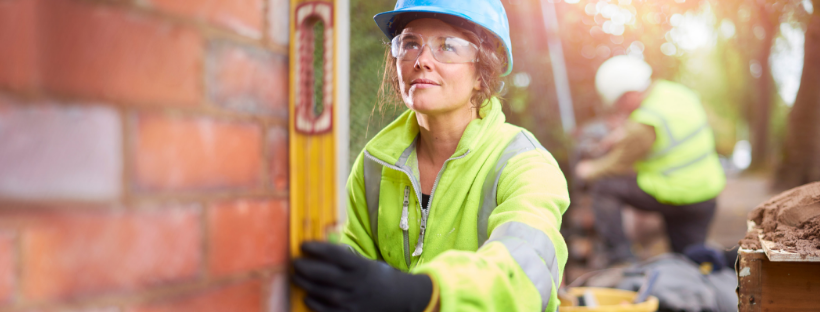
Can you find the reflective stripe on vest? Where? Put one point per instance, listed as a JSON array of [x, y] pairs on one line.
[[521, 143], [534, 252], [372, 187], [673, 142]]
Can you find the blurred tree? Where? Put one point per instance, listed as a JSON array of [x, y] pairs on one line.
[[529, 92], [756, 27], [801, 156]]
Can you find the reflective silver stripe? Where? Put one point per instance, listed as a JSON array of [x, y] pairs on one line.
[[521, 143], [676, 143], [372, 188], [673, 142], [534, 253], [538, 240], [687, 164], [406, 154]]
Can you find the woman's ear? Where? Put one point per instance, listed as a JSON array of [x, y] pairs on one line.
[[477, 83]]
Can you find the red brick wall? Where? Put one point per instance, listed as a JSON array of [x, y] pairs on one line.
[[143, 155]]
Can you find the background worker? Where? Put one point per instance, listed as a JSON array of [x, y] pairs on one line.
[[449, 207], [660, 157]]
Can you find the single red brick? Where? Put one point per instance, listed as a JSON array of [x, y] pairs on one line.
[[8, 275], [75, 254], [18, 43], [101, 52], [54, 151], [196, 154], [247, 79], [244, 17], [247, 235], [244, 297], [279, 21], [278, 157]]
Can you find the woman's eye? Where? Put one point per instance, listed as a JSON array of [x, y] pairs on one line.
[[410, 45]]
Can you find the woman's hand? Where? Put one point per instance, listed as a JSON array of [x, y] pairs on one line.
[[336, 279]]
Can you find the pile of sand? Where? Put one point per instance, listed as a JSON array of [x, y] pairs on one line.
[[751, 241], [790, 220]]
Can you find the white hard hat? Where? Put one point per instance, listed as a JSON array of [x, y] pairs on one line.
[[622, 74]]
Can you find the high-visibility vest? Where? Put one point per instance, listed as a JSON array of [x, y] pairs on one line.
[[682, 167], [492, 239]]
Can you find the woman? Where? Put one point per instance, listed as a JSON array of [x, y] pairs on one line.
[[464, 207]]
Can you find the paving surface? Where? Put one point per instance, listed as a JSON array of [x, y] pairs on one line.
[[741, 195]]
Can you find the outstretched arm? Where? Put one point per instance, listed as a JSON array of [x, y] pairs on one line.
[[521, 265]]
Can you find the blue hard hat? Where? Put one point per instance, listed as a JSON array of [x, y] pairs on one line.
[[489, 14]]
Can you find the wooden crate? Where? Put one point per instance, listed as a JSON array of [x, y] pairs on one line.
[[764, 285]]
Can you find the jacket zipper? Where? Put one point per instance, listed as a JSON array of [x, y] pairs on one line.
[[405, 226], [424, 212], [416, 188]]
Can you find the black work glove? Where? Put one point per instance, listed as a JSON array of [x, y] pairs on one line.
[[336, 279]]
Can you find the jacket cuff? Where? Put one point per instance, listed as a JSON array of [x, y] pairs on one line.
[[434, 299]]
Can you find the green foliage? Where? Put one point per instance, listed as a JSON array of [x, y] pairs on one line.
[[367, 48]]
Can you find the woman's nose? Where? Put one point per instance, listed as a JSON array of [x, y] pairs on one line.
[[425, 58]]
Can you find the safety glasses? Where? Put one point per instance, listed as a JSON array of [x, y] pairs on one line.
[[408, 47]]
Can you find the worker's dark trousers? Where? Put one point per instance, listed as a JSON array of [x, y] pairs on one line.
[[685, 225]]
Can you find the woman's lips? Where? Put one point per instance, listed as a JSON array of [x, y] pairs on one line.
[[423, 83]]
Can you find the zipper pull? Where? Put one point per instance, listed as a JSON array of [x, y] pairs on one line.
[[422, 228], [403, 223], [419, 249]]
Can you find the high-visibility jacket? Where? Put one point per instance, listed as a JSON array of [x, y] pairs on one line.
[[490, 237], [682, 167]]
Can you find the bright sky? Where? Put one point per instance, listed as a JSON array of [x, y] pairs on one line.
[[787, 61]]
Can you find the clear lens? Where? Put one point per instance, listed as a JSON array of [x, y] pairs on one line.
[[408, 46]]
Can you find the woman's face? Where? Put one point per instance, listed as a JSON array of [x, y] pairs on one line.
[[429, 86]]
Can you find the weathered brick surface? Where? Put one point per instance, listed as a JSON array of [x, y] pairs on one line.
[[247, 235], [18, 48], [52, 151], [279, 21], [244, 297], [183, 154], [101, 52], [244, 17], [77, 254], [247, 79], [143, 155], [8, 278], [278, 157]]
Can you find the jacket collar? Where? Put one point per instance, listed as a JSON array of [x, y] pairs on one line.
[[395, 139]]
